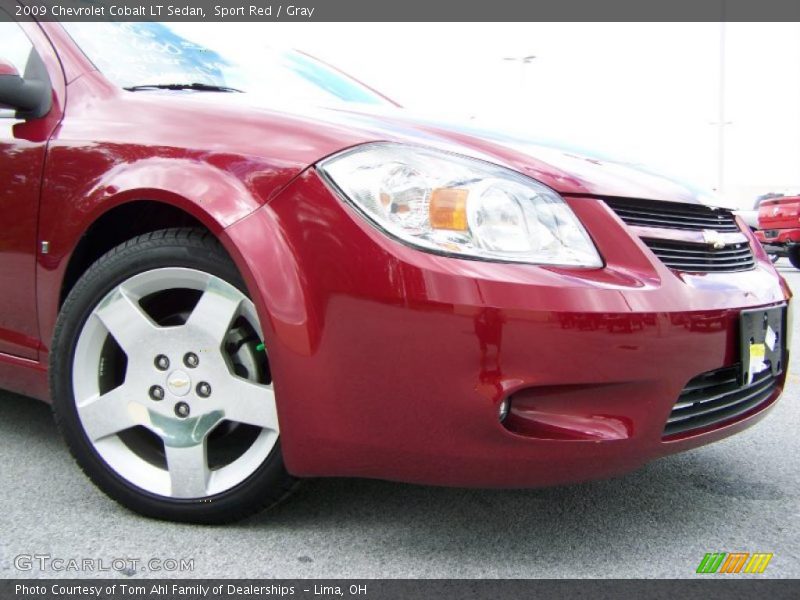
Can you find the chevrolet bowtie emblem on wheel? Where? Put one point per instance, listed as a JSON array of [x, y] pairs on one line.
[[713, 239], [179, 383]]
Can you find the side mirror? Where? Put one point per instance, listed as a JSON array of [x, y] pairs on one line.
[[30, 97]]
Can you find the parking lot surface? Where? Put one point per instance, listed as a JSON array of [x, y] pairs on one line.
[[741, 494]]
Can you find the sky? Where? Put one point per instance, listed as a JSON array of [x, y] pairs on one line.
[[647, 93]]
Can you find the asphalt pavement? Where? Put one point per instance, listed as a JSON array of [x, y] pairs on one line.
[[741, 494]]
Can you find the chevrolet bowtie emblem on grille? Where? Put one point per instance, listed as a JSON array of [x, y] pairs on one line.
[[713, 239]]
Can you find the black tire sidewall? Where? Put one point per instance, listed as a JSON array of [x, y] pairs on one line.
[[265, 486], [793, 254]]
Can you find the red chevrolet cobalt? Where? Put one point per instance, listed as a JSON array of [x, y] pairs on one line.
[[222, 290]]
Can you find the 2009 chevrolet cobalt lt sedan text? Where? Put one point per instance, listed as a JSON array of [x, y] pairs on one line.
[[222, 290]]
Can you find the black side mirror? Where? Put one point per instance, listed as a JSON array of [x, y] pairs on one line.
[[31, 97]]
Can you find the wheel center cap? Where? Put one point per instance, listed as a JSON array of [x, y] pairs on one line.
[[179, 383]]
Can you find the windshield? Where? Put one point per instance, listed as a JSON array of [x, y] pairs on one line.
[[142, 54]]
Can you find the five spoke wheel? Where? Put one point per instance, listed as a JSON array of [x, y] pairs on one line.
[[172, 378], [161, 382]]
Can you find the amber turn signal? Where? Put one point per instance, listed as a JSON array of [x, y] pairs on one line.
[[448, 209]]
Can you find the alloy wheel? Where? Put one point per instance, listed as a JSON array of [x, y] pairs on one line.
[[172, 384]]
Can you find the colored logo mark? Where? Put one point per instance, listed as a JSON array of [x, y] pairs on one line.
[[734, 562]]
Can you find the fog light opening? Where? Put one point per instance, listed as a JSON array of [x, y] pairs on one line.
[[503, 411]]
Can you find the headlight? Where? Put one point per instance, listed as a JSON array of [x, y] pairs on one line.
[[455, 205]]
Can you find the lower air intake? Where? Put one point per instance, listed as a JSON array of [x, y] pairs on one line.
[[717, 397]]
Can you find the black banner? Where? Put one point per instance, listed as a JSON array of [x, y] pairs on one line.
[[404, 10], [715, 587]]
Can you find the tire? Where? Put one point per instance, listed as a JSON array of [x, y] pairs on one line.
[[794, 256], [192, 437]]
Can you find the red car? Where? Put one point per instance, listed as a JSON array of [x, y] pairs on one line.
[[222, 290], [779, 227]]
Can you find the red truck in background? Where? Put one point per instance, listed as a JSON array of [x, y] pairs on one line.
[[779, 227]]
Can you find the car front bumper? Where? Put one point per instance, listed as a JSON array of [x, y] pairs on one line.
[[392, 363]]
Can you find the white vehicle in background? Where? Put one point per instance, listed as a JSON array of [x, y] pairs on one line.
[[750, 217]]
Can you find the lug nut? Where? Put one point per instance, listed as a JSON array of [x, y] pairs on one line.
[[203, 389], [191, 360], [157, 392], [161, 362], [182, 410]]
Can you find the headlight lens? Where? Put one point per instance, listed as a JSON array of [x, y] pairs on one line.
[[456, 205]]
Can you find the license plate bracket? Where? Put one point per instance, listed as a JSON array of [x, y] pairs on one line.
[[762, 342]]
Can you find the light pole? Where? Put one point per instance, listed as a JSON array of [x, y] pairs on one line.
[[522, 60], [721, 123]]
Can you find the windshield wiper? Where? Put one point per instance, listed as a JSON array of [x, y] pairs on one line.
[[200, 87]]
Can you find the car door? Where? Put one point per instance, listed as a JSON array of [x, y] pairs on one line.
[[23, 146]]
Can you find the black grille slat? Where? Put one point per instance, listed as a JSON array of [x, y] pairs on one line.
[[678, 223], [704, 260], [687, 264], [717, 397], [706, 269], [682, 211], [689, 212], [698, 250], [672, 215], [717, 381], [694, 385], [695, 267], [701, 258]]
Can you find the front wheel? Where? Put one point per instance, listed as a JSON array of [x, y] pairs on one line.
[[161, 383]]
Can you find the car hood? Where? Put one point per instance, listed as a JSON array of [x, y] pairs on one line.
[[568, 170], [311, 134]]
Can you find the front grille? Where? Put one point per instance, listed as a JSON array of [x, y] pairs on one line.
[[672, 215], [686, 256], [701, 258], [716, 397]]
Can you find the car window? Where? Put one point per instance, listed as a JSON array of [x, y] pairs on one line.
[[16, 48], [136, 54]]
